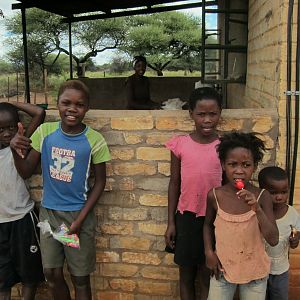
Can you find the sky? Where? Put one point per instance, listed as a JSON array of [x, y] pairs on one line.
[[105, 57]]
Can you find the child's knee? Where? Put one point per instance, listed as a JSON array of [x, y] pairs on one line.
[[54, 276], [81, 282]]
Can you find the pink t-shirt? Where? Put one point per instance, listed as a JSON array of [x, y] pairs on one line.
[[200, 171]]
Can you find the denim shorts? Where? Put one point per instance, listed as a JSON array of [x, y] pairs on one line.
[[222, 289]]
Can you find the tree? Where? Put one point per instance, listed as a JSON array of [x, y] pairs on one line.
[[46, 34], [163, 38]]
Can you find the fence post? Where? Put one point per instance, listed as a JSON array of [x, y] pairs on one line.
[[8, 88]]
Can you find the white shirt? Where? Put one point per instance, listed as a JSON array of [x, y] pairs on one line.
[[279, 253], [15, 200]]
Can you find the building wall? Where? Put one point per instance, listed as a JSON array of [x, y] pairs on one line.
[[110, 93], [267, 83], [132, 213]]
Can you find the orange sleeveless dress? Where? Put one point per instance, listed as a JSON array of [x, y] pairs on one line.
[[240, 247]]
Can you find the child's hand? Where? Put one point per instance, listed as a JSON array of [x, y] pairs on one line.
[[294, 239], [213, 263], [19, 142], [249, 198], [75, 228], [170, 236]]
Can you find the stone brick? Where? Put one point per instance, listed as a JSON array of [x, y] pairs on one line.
[[153, 184], [159, 214], [230, 124], [161, 273], [109, 169], [154, 288], [171, 123], [152, 228], [269, 143], [114, 138], [101, 242], [118, 198], [126, 184], [125, 285], [141, 258], [122, 153], [154, 297], [109, 185], [107, 256], [98, 283], [36, 195], [107, 295], [169, 259], [130, 169], [91, 119], [116, 228], [130, 243], [164, 168], [263, 124], [150, 153], [153, 200], [130, 214], [158, 138], [118, 270], [132, 123], [132, 138], [159, 243], [35, 181]]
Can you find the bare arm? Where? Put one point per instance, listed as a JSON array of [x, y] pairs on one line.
[[25, 166], [212, 261], [36, 113], [173, 197], [93, 197], [264, 214]]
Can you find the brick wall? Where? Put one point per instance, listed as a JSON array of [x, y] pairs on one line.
[[267, 82], [132, 213]]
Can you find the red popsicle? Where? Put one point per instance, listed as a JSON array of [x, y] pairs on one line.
[[239, 184]]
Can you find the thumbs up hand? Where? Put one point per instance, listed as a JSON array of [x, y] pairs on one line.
[[19, 142], [20, 128]]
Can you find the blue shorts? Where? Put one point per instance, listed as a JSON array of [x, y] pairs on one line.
[[278, 286], [189, 245], [224, 290], [20, 256]]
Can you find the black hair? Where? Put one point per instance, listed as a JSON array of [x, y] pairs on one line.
[[75, 85], [8, 107], [271, 173], [204, 93], [139, 58], [237, 139]]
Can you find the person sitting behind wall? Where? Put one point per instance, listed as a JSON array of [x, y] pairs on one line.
[[138, 88]]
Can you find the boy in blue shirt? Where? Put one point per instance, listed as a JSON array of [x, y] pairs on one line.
[[67, 150]]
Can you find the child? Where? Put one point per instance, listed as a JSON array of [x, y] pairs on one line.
[[67, 151], [138, 88], [17, 218], [195, 169], [235, 222], [275, 180]]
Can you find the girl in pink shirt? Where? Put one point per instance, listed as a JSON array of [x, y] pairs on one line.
[[238, 217], [195, 169]]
